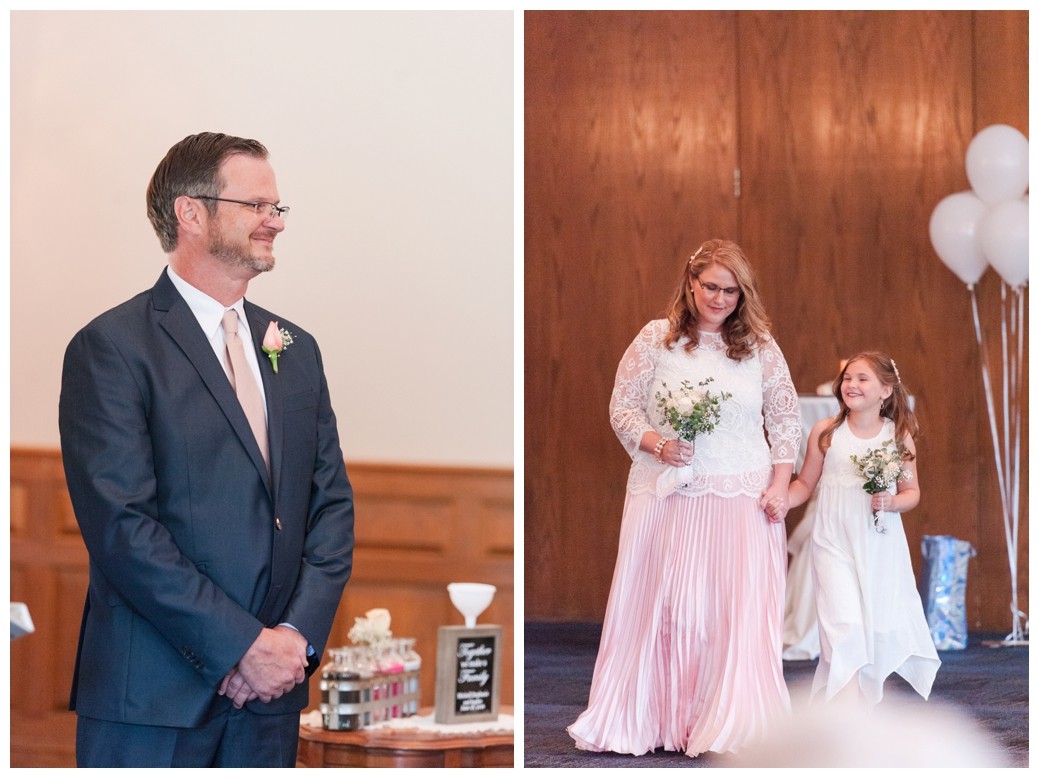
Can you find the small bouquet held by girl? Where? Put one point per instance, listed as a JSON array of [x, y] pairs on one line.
[[882, 468], [689, 411]]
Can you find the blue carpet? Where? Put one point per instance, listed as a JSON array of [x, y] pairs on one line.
[[990, 685]]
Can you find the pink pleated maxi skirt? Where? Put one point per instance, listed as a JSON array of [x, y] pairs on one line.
[[690, 657]]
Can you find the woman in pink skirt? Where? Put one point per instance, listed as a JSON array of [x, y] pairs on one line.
[[691, 651]]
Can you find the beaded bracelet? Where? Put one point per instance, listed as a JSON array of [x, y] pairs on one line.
[[658, 450]]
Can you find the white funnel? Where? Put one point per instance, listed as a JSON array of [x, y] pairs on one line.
[[471, 599]]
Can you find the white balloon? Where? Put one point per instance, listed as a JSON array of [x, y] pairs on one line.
[[997, 164], [954, 235], [1003, 236]]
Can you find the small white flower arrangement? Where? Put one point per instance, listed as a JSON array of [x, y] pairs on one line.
[[372, 629]]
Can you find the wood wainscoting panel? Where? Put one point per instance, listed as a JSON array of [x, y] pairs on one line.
[[19, 511], [417, 529], [49, 574]]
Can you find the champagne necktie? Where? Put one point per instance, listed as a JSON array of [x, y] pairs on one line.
[[244, 383]]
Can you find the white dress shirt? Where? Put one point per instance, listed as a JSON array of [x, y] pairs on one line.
[[210, 315]]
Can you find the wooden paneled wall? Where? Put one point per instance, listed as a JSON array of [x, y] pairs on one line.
[[418, 529], [845, 129]]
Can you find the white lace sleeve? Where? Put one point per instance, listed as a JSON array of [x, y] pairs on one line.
[[780, 405], [631, 387]]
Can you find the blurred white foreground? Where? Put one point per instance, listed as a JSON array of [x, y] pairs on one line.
[[899, 732]]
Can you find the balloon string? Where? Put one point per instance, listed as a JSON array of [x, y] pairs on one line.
[[1017, 401], [1012, 435], [988, 397], [1018, 329], [1007, 324], [1005, 315], [1009, 483]]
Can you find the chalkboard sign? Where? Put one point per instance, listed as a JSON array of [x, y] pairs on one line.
[[468, 670]]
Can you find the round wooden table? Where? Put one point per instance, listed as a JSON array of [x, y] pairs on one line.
[[400, 747]]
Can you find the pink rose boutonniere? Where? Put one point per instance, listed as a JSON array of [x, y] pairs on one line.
[[275, 341]]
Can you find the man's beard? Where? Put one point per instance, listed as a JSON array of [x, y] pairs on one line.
[[236, 255]]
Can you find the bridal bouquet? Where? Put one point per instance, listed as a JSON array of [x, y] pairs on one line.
[[690, 411], [881, 468]]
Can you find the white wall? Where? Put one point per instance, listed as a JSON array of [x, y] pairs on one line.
[[391, 134]]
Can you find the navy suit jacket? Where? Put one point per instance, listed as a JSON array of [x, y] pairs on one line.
[[193, 547]]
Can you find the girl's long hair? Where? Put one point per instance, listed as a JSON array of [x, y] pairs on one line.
[[746, 327], [896, 407]]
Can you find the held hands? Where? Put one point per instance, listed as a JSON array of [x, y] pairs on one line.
[[775, 504], [274, 664]]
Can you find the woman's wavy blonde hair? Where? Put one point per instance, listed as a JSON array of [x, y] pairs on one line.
[[746, 328]]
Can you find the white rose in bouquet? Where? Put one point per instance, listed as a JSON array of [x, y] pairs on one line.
[[371, 629]]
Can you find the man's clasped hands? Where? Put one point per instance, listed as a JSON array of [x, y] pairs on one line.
[[274, 664]]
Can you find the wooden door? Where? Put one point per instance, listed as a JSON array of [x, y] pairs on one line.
[[630, 147]]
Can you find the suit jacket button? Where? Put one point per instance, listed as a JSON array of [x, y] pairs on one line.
[[277, 522]]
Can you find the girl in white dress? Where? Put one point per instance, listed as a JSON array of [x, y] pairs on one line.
[[690, 654], [871, 619]]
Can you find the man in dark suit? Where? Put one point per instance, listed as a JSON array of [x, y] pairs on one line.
[[218, 555]]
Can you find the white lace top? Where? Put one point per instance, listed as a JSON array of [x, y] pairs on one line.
[[733, 459]]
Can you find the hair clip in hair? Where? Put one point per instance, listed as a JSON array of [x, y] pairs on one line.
[[699, 251], [895, 368]]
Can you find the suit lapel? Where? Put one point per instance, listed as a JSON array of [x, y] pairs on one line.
[[176, 318], [272, 391]]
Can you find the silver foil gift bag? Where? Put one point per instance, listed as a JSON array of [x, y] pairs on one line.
[[943, 589]]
